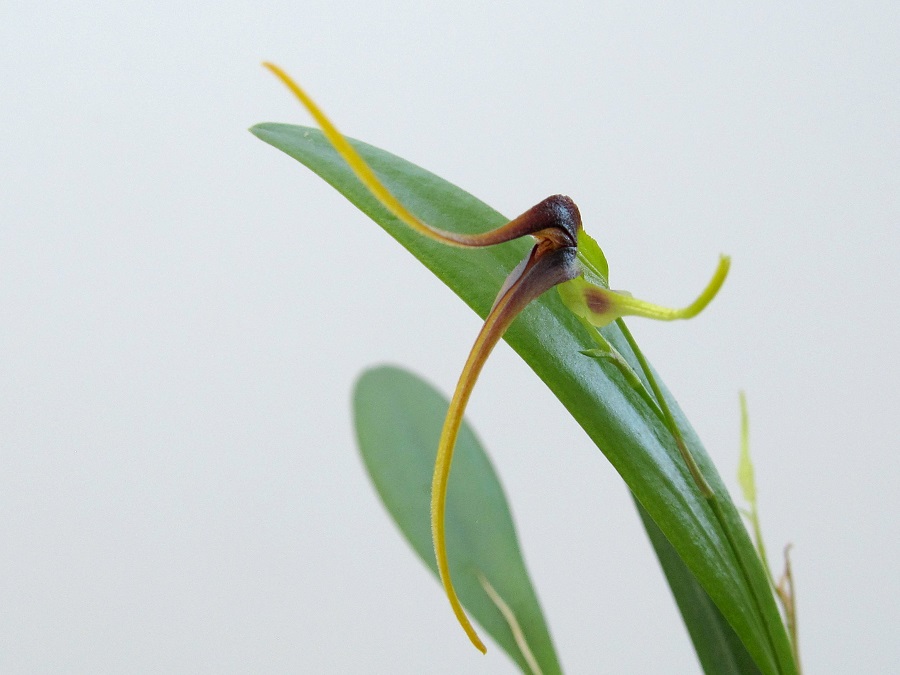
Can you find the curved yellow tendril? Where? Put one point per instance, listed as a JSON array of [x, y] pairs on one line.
[[600, 306], [635, 307], [507, 232]]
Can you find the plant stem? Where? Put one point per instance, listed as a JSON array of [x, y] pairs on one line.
[[688, 458], [785, 590]]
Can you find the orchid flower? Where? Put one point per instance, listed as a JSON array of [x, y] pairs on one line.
[[563, 256]]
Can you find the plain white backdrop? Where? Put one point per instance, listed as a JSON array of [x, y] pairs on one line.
[[183, 312]]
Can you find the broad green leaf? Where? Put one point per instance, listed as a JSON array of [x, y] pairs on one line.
[[398, 421], [720, 651], [550, 339]]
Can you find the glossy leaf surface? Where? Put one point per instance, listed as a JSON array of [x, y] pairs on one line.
[[550, 338], [720, 651], [398, 421]]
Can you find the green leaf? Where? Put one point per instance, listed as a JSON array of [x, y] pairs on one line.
[[715, 547], [398, 422], [720, 651]]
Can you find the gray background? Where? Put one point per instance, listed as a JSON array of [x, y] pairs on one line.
[[179, 487]]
